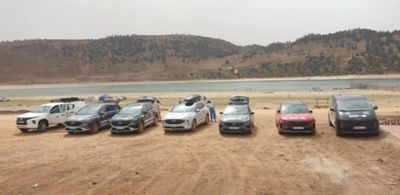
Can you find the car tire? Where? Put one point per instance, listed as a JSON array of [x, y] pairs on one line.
[[330, 123], [155, 121], [94, 128], [42, 126], [194, 125], [141, 127], [221, 132], [338, 132], [207, 120], [24, 130]]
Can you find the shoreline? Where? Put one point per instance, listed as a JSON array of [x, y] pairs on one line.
[[92, 84]]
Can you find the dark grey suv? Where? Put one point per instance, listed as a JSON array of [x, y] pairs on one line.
[[352, 114], [91, 118], [237, 116], [134, 117]]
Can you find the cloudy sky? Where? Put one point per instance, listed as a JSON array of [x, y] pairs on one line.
[[239, 21]]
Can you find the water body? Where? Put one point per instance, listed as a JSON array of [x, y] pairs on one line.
[[197, 87]]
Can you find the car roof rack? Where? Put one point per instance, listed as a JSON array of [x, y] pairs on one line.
[[193, 98], [65, 100], [238, 100], [147, 99]]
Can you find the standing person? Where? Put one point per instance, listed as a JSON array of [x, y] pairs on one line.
[[213, 114], [158, 107]]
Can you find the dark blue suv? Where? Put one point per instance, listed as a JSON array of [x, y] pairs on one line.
[[352, 114], [91, 118]]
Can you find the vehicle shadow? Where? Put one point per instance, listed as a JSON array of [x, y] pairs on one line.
[[135, 133], [366, 137], [244, 135], [52, 129], [199, 129], [86, 134]]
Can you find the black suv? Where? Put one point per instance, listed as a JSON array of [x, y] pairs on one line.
[[352, 114], [91, 118], [237, 116], [134, 117]]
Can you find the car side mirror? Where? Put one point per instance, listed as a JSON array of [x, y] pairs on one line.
[[197, 110], [251, 113], [310, 111], [332, 109], [375, 107], [278, 111], [221, 113]]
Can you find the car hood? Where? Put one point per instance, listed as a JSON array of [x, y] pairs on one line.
[[226, 118], [31, 115], [79, 117], [302, 116], [175, 115], [125, 116], [357, 115]]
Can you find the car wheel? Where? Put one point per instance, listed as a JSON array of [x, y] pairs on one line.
[[207, 120], [330, 123], [338, 132], [42, 126], [221, 132], [155, 122], [194, 125], [141, 127], [94, 128], [23, 130]]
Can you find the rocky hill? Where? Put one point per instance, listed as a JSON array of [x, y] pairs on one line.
[[185, 57]]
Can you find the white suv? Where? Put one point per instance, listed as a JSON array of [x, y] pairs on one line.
[[46, 115], [186, 115]]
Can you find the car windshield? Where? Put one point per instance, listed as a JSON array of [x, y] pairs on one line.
[[353, 105], [41, 109], [294, 109], [183, 108], [131, 110], [236, 110], [88, 110]]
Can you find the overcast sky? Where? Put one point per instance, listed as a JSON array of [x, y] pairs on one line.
[[241, 22]]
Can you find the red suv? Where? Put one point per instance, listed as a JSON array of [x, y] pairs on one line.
[[295, 117]]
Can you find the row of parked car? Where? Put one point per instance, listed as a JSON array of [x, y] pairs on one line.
[[347, 114]]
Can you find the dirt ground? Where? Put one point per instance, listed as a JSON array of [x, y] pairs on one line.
[[200, 162]]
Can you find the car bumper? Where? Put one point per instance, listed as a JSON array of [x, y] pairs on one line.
[[126, 129], [77, 129], [28, 125], [237, 128], [358, 127], [176, 127]]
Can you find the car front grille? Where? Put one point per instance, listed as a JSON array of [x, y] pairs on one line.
[[22, 121], [73, 123], [174, 121], [120, 123], [234, 124], [297, 123]]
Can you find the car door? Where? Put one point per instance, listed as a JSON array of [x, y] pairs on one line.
[[148, 114], [55, 115], [103, 116], [202, 114]]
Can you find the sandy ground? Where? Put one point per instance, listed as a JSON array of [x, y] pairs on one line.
[[200, 162]]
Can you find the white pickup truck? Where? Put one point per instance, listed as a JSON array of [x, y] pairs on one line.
[[45, 115]]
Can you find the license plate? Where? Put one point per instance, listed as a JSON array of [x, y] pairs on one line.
[[21, 122], [359, 127], [298, 128], [120, 128], [235, 128]]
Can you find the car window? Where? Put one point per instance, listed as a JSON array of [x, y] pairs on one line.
[[63, 107], [353, 105], [55, 109], [237, 110], [110, 108], [199, 105], [183, 108], [70, 106], [294, 109]]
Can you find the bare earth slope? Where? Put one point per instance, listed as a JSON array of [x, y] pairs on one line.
[[187, 57], [201, 162]]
